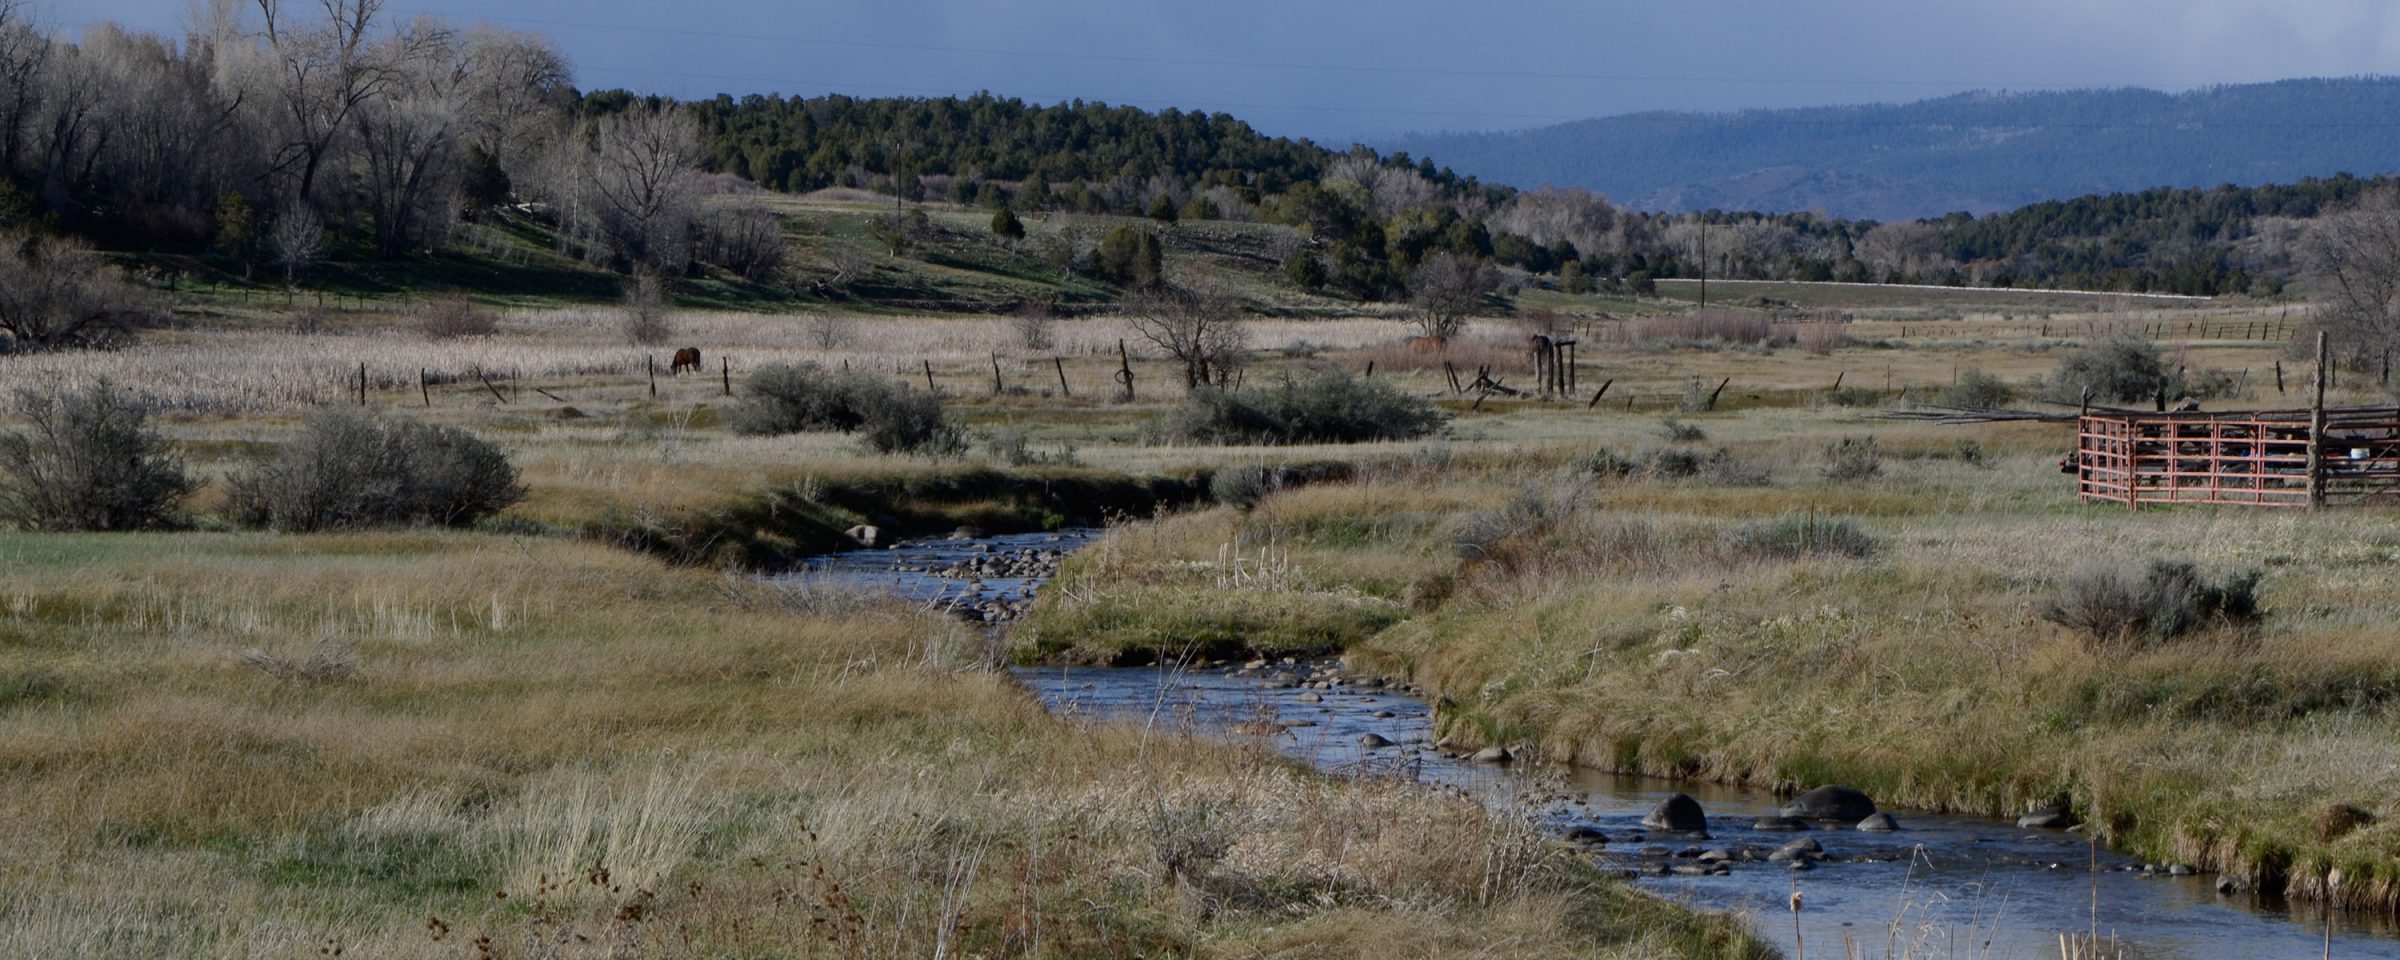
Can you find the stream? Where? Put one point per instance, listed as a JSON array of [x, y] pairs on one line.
[[1941, 886]]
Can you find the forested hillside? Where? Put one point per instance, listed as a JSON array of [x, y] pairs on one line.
[[378, 157], [1978, 153]]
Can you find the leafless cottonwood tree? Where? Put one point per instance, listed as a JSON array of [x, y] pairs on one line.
[[1447, 289], [2353, 258], [644, 183], [1202, 330]]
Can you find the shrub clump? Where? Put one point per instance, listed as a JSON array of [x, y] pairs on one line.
[[1325, 406], [2124, 609], [1853, 458], [1801, 533], [1241, 486], [451, 316], [888, 418], [1977, 390], [87, 460], [350, 469], [2116, 369]]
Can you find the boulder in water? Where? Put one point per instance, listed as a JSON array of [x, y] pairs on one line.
[[1780, 824], [1830, 802], [1679, 813], [1879, 823], [1373, 741], [2052, 817], [864, 535], [1493, 755]]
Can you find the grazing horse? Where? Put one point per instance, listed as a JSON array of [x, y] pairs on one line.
[[687, 358]]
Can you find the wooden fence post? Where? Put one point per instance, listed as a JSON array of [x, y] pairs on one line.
[[424, 389], [1602, 392], [1125, 369], [929, 387], [996, 388], [362, 384], [2316, 431], [1713, 394], [1061, 366], [725, 365], [650, 361]]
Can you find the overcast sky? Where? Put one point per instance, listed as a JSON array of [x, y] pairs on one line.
[[1360, 68]]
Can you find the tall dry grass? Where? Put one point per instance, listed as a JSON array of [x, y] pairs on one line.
[[552, 749]]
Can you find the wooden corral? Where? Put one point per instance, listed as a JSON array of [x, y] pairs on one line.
[[2263, 458]]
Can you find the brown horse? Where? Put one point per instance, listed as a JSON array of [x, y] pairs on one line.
[[687, 358]]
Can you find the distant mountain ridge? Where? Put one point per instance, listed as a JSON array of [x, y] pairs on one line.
[[1973, 152]]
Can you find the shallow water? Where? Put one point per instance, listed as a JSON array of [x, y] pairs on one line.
[[1941, 887]]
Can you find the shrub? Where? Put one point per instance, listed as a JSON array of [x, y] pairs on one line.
[[87, 460], [1977, 390], [643, 317], [352, 469], [1801, 533], [787, 398], [2115, 369], [58, 293], [1852, 458], [1538, 508], [451, 316], [1677, 431], [2119, 608], [1325, 406], [355, 469], [1242, 486]]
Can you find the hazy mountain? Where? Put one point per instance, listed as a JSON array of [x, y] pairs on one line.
[[1977, 152]]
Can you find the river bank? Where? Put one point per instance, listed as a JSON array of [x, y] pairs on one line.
[[1660, 625]]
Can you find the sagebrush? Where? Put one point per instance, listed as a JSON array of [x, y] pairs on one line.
[[350, 469]]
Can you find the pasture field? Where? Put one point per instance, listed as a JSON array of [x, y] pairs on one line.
[[235, 743]]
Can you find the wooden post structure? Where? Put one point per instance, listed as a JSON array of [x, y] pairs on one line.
[[1602, 392], [725, 366], [1061, 366], [1125, 369], [996, 388], [2316, 431], [2279, 378], [424, 389], [1713, 394], [362, 384], [651, 361], [1370, 369], [929, 387]]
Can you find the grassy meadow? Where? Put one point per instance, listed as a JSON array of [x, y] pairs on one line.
[[581, 730]]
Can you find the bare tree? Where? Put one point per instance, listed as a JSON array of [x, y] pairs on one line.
[[644, 318], [1895, 249], [845, 265], [297, 240], [408, 138], [1447, 289], [743, 237], [645, 164], [1201, 330], [321, 77], [24, 50], [2353, 258]]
